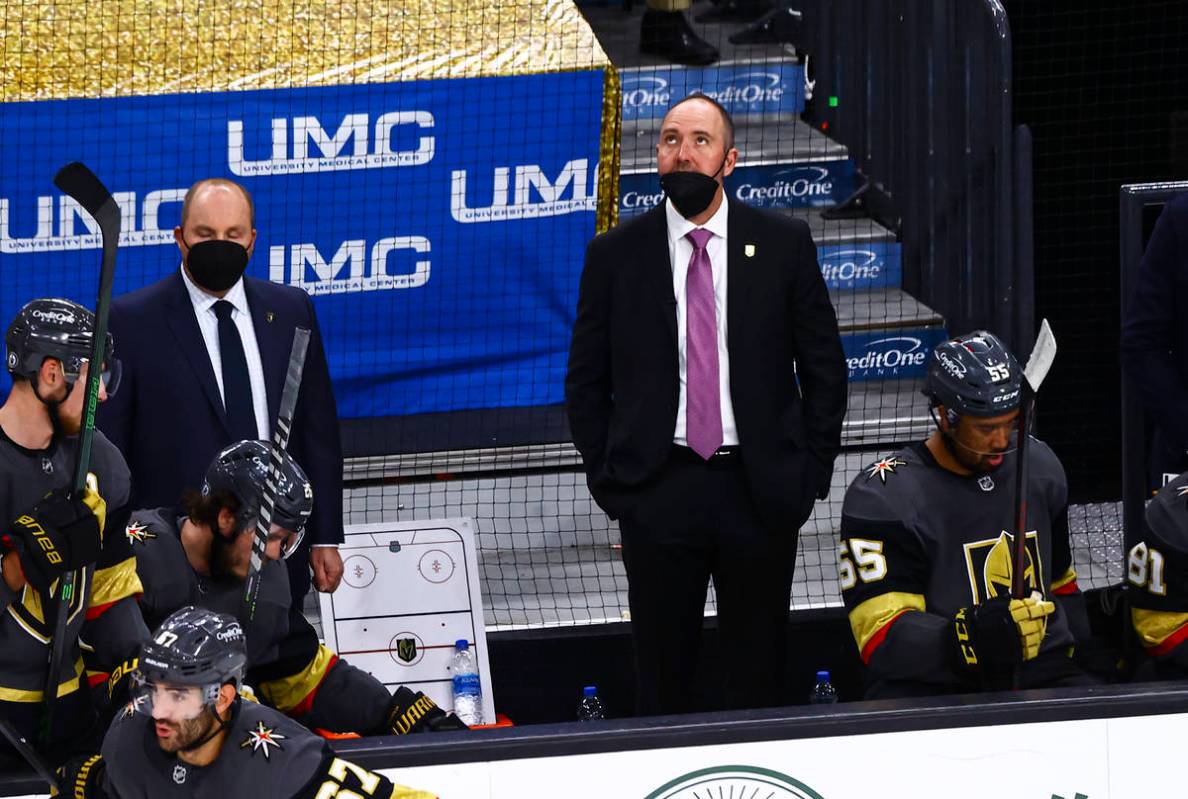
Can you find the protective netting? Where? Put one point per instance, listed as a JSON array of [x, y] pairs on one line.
[[429, 173]]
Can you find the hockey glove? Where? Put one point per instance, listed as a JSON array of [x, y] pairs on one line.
[[411, 711], [82, 777], [58, 534], [1001, 632]]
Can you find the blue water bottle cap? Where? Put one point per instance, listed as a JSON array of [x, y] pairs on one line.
[[462, 643], [590, 690], [823, 676]]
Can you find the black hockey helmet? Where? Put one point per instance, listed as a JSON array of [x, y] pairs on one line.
[[56, 328], [195, 646], [242, 469], [974, 374]]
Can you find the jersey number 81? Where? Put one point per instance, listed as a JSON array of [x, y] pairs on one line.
[[1144, 568], [868, 562]]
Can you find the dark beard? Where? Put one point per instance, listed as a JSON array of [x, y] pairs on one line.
[[188, 732]]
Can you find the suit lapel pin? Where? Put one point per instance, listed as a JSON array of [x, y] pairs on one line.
[[269, 316], [749, 250]]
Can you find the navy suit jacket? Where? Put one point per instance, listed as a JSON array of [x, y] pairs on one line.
[[1155, 327], [167, 416]]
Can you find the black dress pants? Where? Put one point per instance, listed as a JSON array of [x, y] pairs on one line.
[[694, 521]]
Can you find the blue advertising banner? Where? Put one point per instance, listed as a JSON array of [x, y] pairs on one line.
[[820, 184], [861, 265], [742, 88], [890, 353], [439, 225]]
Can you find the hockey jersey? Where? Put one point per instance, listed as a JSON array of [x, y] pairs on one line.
[[264, 754], [103, 616], [1157, 575], [918, 543], [287, 664]]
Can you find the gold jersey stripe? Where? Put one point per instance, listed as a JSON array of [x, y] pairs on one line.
[[1154, 626], [115, 583], [873, 614], [1069, 576], [287, 692], [21, 695]]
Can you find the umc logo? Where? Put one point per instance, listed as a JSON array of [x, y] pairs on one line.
[[354, 267], [64, 225], [526, 192], [371, 144]]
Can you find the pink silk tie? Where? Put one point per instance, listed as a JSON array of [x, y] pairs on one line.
[[703, 409]]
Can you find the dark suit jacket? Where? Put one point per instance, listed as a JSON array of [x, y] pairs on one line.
[[167, 416], [787, 371], [1155, 327]]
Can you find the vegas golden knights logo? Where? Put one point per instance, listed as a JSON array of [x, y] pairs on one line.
[[406, 649], [990, 563]]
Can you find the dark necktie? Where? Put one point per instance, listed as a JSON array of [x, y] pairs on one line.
[[703, 408], [237, 385]]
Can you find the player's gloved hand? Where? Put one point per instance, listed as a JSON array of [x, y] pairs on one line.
[[1001, 632], [56, 535], [412, 711], [82, 778], [119, 682]]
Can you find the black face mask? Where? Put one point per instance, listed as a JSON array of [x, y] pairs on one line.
[[690, 192], [216, 264]]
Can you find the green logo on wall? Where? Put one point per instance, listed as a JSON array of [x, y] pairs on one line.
[[738, 781]]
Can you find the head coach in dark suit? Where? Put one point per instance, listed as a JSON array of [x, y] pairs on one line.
[[705, 391], [205, 352]]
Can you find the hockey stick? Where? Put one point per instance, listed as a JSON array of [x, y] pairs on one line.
[[26, 751], [280, 442], [80, 183], [1042, 355]]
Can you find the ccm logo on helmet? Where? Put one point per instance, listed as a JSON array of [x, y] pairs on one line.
[[62, 317]]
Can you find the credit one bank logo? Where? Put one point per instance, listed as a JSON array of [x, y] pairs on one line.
[[647, 93], [890, 356], [860, 266], [796, 186]]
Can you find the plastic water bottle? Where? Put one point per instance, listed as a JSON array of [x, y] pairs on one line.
[[823, 692], [468, 694], [590, 708]]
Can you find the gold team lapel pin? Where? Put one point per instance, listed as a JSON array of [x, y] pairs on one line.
[[749, 250], [269, 316]]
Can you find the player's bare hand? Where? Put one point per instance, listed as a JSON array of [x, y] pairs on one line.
[[327, 568], [14, 575], [70, 412]]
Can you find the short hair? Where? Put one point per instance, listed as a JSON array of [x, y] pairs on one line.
[[727, 120], [247, 195]]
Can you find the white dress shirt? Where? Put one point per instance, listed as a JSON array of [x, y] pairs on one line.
[[208, 323], [680, 250]]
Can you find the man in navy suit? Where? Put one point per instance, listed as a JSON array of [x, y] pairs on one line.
[[205, 352]]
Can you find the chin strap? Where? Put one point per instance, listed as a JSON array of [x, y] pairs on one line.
[[951, 442], [222, 725], [50, 405]]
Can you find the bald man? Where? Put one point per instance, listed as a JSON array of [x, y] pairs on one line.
[[205, 352]]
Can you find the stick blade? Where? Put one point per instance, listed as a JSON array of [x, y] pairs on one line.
[[1042, 356], [77, 180]]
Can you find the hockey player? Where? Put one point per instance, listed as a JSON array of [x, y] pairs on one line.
[[203, 558], [186, 731], [925, 560], [49, 533], [1156, 567]]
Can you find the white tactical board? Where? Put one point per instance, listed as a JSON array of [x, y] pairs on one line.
[[409, 590]]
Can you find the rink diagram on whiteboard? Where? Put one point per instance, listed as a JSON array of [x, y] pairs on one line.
[[409, 591]]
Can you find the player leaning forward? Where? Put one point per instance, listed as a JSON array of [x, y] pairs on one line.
[[49, 532], [926, 556], [202, 557], [187, 732]]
